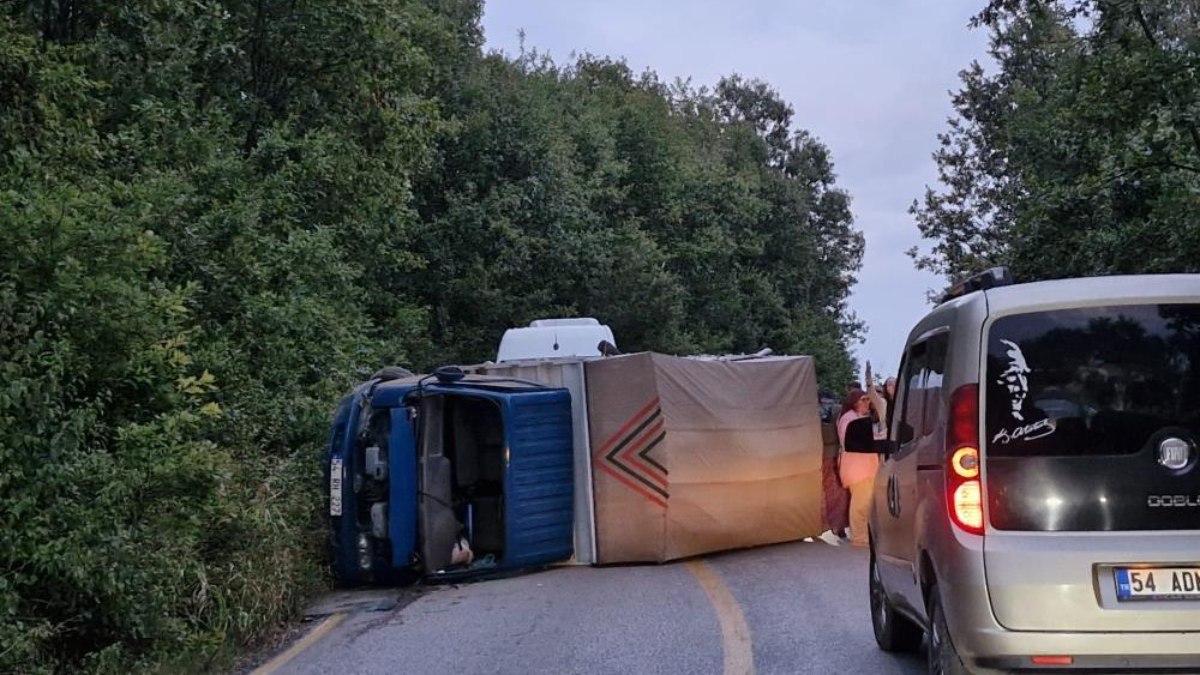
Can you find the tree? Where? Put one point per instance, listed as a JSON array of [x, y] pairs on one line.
[[690, 221], [1080, 155], [205, 205]]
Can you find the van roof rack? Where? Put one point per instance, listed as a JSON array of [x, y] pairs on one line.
[[990, 278]]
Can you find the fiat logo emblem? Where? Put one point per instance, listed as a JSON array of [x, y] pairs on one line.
[[1174, 453]]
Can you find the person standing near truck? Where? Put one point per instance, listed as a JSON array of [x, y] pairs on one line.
[[856, 469], [835, 502]]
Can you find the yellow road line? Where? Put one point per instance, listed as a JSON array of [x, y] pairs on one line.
[[735, 633], [304, 643]]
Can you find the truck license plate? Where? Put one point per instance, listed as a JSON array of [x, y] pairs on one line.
[[1158, 583], [335, 486]]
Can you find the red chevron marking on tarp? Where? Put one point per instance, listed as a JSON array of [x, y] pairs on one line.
[[625, 455]]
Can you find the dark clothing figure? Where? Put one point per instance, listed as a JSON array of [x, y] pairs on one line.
[[835, 502]]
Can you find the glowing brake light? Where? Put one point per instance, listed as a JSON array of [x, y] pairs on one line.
[[962, 446]]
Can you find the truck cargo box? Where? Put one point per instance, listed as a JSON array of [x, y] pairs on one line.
[[692, 456]]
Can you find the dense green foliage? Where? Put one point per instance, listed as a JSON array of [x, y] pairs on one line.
[[691, 221], [1080, 153], [215, 216]]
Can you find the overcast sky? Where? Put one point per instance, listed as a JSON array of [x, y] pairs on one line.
[[870, 78]]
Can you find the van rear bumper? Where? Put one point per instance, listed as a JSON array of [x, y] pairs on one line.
[[983, 643], [1099, 652]]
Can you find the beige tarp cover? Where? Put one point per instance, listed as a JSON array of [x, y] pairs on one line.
[[692, 456]]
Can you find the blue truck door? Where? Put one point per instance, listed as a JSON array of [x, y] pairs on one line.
[[539, 481], [539, 478], [402, 487]]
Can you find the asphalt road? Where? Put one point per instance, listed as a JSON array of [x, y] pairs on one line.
[[793, 608]]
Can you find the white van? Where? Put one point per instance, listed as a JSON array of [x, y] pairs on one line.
[[555, 338]]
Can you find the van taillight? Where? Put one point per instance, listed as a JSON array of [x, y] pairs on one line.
[[963, 490], [968, 506]]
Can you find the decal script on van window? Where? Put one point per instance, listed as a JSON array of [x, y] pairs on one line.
[[1015, 379], [1029, 432]]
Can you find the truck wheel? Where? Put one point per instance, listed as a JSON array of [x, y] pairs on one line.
[[943, 657], [894, 632]]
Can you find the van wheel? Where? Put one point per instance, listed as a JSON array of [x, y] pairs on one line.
[[894, 632], [943, 657]]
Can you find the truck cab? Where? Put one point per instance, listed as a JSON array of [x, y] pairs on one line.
[[450, 475]]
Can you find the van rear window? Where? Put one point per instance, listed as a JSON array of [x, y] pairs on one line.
[[1092, 380]]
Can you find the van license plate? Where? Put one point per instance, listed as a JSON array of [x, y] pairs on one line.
[[1158, 583], [335, 486]]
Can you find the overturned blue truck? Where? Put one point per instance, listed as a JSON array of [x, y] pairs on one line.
[[593, 460]]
